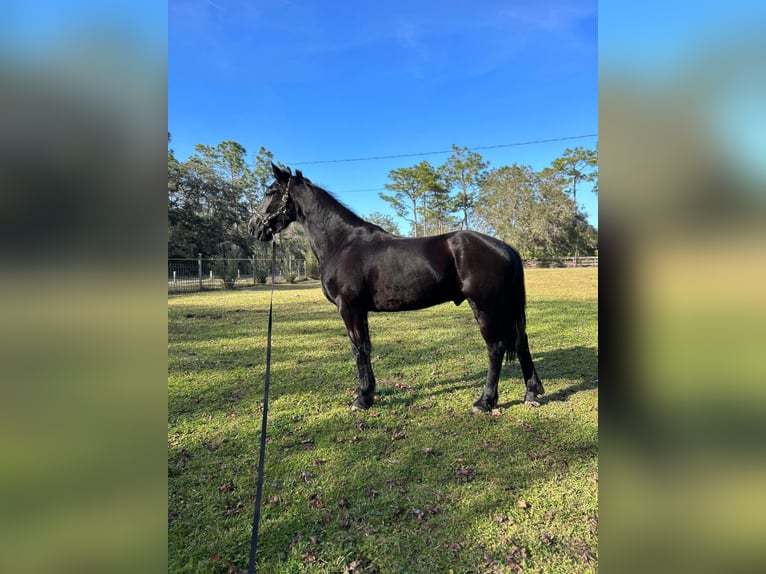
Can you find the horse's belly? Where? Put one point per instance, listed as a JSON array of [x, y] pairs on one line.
[[397, 298]]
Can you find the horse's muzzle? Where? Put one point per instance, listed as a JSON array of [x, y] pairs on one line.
[[258, 230]]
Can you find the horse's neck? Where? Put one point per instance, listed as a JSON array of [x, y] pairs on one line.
[[324, 224]]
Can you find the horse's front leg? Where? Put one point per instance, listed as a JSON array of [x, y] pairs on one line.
[[359, 334]]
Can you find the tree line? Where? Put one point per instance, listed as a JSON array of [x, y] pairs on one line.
[[536, 211], [212, 194]]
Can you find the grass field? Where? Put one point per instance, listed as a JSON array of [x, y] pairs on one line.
[[418, 483]]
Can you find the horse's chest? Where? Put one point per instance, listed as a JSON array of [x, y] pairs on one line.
[[330, 290]]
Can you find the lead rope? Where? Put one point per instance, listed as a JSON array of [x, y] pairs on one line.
[[262, 453]]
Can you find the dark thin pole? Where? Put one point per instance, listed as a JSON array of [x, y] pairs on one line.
[[262, 453]]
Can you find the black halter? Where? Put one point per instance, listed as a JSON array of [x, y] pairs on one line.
[[265, 220]]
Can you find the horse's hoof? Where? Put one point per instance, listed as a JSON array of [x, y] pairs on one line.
[[532, 403], [359, 406]]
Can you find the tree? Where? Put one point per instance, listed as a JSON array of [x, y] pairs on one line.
[[410, 186], [506, 205], [385, 221], [207, 212], [463, 173], [174, 174], [583, 236], [210, 199], [531, 211], [437, 208], [578, 165], [554, 215], [262, 175]]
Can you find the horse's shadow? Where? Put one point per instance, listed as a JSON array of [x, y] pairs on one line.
[[562, 395], [577, 366]]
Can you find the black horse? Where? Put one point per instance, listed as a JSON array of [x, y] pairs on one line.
[[364, 268]]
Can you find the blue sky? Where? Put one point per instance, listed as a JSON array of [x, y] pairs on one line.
[[315, 81]]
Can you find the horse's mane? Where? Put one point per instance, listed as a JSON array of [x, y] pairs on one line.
[[330, 203]]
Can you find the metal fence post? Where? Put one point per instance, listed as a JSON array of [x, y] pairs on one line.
[[199, 268]]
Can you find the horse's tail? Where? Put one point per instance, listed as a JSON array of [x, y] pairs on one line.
[[517, 312]]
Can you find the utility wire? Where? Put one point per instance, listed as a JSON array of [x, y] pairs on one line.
[[440, 152]]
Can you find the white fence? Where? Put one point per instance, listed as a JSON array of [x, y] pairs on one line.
[[562, 262], [202, 273], [185, 275]]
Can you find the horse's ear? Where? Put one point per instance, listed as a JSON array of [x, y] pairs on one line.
[[279, 174], [299, 174]]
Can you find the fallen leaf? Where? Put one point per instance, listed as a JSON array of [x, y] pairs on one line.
[[227, 487], [309, 558], [511, 563], [464, 473], [362, 566], [236, 509], [398, 434], [297, 539]]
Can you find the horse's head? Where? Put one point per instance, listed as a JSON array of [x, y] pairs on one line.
[[277, 210]]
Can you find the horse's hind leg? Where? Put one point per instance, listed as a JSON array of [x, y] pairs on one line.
[[489, 396], [532, 381], [496, 349]]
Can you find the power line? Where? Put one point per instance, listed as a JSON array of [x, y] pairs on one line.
[[440, 152], [362, 190]]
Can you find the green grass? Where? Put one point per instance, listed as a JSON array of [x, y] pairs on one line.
[[416, 484]]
